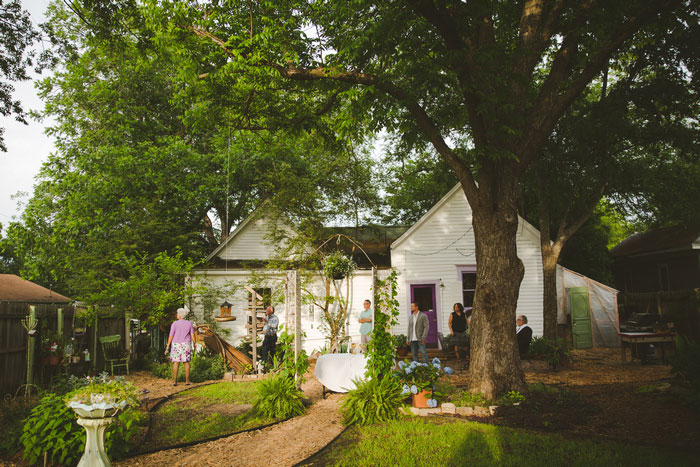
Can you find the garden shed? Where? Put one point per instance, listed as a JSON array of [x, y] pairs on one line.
[[16, 297]]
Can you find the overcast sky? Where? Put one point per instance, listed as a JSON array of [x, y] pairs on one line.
[[27, 146]]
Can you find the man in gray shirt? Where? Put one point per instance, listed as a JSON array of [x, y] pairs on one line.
[[417, 332]]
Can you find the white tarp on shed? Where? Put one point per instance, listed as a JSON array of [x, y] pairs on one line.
[[603, 305]]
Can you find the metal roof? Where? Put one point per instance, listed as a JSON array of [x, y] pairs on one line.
[[676, 238]]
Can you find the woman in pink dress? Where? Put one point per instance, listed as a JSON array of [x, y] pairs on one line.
[[181, 344]]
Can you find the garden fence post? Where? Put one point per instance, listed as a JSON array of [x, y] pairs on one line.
[[292, 308], [59, 324]]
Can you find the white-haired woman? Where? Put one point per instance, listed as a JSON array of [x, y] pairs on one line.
[[181, 343]]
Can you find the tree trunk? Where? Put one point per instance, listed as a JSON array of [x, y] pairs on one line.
[[495, 363], [550, 258]]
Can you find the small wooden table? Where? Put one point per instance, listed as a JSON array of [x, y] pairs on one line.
[[636, 338]]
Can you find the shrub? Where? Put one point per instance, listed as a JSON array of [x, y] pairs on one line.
[[284, 358], [203, 367], [374, 400], [686, 361], [278, 397], [51, 427], [554, 351]]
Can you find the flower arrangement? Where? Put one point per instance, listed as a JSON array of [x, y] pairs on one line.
[[417, 377], [338, 266]]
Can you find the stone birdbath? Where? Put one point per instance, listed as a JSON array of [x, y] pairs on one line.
[[96, 403], [96, 417]]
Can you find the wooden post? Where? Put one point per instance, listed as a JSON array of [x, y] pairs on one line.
[[94, 342], [31, 345], [59, 324], [292, 307]]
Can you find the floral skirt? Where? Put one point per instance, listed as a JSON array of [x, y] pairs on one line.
[[180, 352]]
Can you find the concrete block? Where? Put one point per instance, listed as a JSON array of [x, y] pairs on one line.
[[481, 411], [492, 409], [448, 408], [467, 411]]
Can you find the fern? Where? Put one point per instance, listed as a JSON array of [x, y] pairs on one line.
[[278, 397], [372, 401]]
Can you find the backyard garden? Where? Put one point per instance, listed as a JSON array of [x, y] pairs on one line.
[[597, 409]]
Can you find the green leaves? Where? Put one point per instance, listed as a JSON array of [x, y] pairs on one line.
[[372, 401], [278, 397]]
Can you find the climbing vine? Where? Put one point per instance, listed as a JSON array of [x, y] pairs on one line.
[[381, 350]]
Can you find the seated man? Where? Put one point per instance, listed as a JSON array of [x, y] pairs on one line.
[[524, 334]]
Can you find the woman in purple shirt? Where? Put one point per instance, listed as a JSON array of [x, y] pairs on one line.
[[181, 335]]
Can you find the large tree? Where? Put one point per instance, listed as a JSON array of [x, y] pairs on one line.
[[148, 164], [482, 82]]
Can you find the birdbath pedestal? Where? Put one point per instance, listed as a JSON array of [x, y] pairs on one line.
[[95, 418]]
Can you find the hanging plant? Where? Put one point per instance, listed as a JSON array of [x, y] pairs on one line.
[[338, 266]]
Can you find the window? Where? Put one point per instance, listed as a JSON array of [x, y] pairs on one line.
[[467, 276]]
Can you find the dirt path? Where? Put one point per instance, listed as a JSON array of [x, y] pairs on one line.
[[283, 444]]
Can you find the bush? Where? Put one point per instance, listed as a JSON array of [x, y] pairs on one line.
[[372, 401], [203, 367], [52, 427], [686, 360], [278, 397], [554, 351]]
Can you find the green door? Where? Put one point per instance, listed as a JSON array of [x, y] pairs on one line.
[[580, 318]]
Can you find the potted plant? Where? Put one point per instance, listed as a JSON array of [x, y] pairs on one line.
[[338, 266], [419, 380], [52, 349], [96, 403], [400, 344]]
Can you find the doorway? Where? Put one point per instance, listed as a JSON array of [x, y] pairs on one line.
[[425, 297]]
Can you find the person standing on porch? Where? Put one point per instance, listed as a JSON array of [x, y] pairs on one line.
[[458, 330], [366, 319], [181, 335], [418, 327], [270, 333]]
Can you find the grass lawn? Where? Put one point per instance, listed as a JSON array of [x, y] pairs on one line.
[[434, 442], [205, 412]]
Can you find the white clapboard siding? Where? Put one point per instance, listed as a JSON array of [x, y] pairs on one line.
[[442, 241], [248, 243], [314, 339]]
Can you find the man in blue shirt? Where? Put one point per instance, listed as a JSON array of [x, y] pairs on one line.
[[270, 333]]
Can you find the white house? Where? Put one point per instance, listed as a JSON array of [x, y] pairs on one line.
[[435, 259]]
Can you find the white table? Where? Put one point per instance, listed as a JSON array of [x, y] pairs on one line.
[[336, 371]]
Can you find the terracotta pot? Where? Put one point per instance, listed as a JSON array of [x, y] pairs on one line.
[[402, 351], [54, 360], [420, 400]]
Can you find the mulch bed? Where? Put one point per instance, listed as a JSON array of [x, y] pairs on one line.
[[598, 395]]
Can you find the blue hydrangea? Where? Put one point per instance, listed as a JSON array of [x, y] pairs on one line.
[[432, 403], [414, 389], [436, 360], [402, 364], [413, 364], [436, 365], [405, 389], [449, 370], [408, 370]]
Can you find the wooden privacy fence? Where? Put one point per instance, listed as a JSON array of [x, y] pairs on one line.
[[13, 340]]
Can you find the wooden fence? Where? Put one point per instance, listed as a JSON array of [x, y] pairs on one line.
[[13, 341]]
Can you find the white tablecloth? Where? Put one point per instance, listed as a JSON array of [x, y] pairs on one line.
[[337, 370]]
